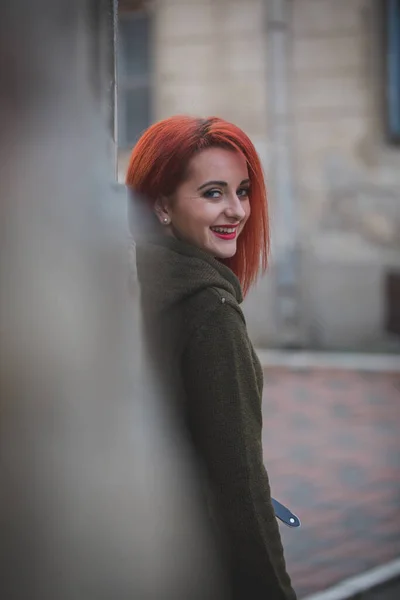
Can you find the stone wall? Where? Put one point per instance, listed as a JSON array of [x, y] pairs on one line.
[[209, 60], [347, 173]]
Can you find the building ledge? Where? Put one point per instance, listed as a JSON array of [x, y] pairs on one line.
[[330, 360]]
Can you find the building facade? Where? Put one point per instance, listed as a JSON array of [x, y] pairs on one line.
[[309, 81]]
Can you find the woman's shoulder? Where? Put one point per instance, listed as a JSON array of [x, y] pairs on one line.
[[212, 307]]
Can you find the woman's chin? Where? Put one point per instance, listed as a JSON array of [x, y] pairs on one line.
[[221, 249], [226, 252]]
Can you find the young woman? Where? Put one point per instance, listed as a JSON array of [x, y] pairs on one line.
[[203, 181]]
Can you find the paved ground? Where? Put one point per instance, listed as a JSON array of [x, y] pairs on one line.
[[332, 450]]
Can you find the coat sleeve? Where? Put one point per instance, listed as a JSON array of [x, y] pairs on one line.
[[224, 415]]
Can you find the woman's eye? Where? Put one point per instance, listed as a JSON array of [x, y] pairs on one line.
[[212, 194], [243, 193]]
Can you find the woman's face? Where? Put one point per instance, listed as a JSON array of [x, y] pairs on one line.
[[210, 209]]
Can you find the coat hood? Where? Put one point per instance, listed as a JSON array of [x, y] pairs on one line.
[[170, 271]]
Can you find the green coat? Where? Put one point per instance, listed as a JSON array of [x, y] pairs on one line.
[[198, 335]]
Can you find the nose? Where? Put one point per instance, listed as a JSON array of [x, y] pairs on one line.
[[235, 209]]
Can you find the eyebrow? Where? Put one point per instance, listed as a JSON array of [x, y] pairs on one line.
[[221, 183]]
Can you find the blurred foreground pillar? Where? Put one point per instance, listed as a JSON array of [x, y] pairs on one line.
[[97, 499]]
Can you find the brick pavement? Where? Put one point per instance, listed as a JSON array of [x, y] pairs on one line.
[[332, 451]]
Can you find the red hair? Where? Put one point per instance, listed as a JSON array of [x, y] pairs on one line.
[[158, 165]]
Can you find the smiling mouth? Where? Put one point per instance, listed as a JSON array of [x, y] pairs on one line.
[[225, 233]]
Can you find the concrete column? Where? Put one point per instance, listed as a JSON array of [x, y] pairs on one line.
[[284, 243]]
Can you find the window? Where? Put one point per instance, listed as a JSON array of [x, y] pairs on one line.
[[133, 73], [392, 28]]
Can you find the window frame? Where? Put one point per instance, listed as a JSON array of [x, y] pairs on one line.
[[392, 70], [131, 83]]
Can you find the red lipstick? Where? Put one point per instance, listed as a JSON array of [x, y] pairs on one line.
[[225, 232]]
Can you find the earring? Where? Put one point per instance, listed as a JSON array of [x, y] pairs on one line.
[[165, 220]]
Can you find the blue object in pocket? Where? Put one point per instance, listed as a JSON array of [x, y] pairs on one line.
[[285, 515]]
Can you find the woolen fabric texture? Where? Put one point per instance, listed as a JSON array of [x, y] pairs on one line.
[[198, 337]]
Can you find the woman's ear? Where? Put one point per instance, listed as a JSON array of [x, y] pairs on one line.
[[161, 211]]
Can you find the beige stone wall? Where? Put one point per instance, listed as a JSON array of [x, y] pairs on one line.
[[333, 94], [339, 138], [210, 60], [347, 174]]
